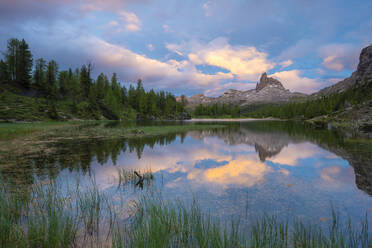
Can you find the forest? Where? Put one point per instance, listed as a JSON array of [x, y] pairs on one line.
[[325, 105], [216, 110], [74, 93]]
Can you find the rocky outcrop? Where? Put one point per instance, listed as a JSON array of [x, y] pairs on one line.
[[268, 90], [265, 81], [364, 71]]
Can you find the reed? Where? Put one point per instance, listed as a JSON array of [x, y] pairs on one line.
[[49, 215], [132, 177]]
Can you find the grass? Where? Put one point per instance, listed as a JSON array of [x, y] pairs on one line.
[[13, 130], [164, 224], [90, 129], [129, 177], [20, 139], [49, 215]]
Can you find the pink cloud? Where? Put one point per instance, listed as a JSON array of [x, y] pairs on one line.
[[337, 57]]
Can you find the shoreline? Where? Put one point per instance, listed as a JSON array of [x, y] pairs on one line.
[[232, 119]]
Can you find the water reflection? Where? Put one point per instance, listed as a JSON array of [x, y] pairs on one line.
[[267, 166]]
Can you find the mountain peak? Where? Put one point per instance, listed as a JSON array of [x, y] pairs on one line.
[[268, 81]]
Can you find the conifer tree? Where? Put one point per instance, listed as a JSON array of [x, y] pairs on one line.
[[40, 75], [51, 80], [4, 74], [19, 62], [11, 56], [85, 80], [24, 64]]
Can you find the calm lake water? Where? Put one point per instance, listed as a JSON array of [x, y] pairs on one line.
[[242, 170]]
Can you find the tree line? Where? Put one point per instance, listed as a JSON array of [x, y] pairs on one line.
[[80, 92], [325, 105], [217, 110]]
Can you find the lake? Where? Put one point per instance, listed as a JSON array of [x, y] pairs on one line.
[[239, 171]]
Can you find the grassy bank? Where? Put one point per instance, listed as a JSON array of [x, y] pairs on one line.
[[25, 138], [47, 216]]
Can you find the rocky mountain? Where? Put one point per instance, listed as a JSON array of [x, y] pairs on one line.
[[268, 90], [364, 71]]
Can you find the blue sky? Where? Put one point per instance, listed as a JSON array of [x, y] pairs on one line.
[[197, 46]]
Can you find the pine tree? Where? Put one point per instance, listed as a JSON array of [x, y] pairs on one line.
[[51, 80], [85, 80], [132, 97], [40, 76], [100, 82], [24, 64], [19, 62], [11, 56], [64, 84], [112, 105], [151, 103], [140, 97], [4, 74], [124, 97]]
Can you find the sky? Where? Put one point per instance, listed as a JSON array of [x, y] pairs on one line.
[[197, 46]]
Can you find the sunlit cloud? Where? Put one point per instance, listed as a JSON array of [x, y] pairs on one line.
[[130, 66], [246, 62], [286, 63], [337, 57], [293, 81], [131, 20]]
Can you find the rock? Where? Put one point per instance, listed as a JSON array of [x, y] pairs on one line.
[[268, 90], [364, 71], [268, 82]]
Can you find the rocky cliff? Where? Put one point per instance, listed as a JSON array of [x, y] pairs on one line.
[[268, 90], [364, 71]]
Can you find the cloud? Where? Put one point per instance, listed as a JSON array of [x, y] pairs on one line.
[[159, 74], [150, 47], [244, 62], [176, 48], [286, 63], [113, 24], [337, 57], [299, 49], [131, 20], [293, 81], [207, 8], [166, 28]]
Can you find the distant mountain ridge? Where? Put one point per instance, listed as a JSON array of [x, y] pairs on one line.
[[271, 91], [268, 90]]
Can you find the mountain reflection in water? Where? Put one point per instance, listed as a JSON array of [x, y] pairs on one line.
[[275, 167]]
